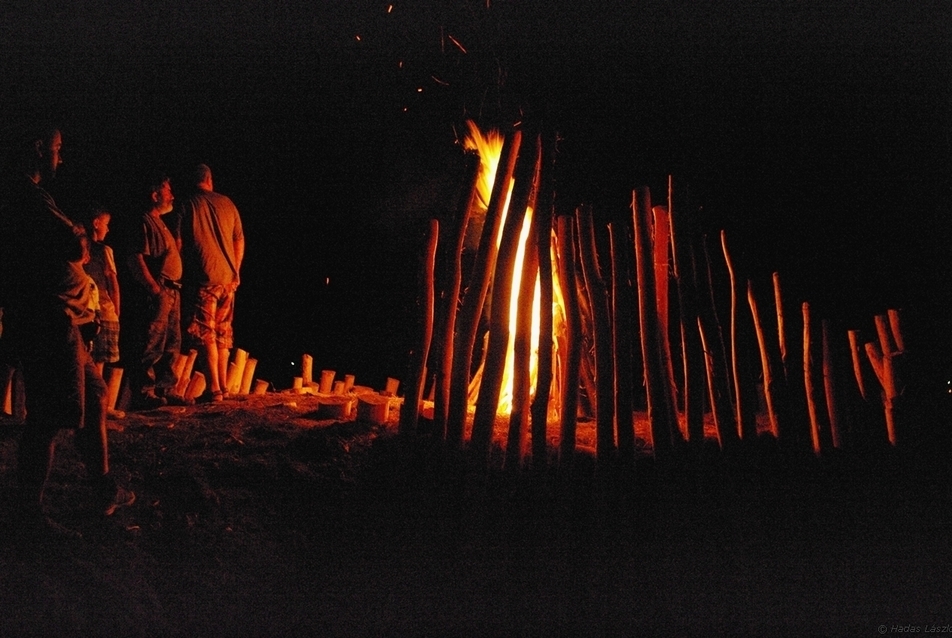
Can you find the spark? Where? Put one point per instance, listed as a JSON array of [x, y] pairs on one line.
[[439, 81], [456, 42]]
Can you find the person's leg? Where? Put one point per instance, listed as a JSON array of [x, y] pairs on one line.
[[153, 347], [172, 344], [224, 334]]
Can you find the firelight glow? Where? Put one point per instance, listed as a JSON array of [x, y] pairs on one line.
[[489, 148]]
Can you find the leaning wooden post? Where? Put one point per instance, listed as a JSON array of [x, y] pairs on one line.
[[487, 402], [882, 356], [781, 330], [522, 338], [622, 311], [544, 374], [413, 391], [744, 430], [573, 359], [715, 357], [829, 387], [773, 393], [659, 412], [809, 388], [443, 358], [472, 306], [604, 359], [692, 353]]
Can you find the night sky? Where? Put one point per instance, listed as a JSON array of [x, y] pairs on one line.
[[819, 134]]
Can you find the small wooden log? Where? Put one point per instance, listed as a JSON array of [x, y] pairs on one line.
[[373, 408], [348, 382], [248, 375], [6, 379], [185, 378], [261, 387], [196, 386], [327, 381], [390, 389], [178, 368], [297, 385], [236, 371], [338, 388], [307, 368], [339, 408], [113, 385]]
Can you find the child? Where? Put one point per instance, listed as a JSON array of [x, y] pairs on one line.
[[102, 268]]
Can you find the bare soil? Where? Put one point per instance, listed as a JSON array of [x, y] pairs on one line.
[[257, 518]]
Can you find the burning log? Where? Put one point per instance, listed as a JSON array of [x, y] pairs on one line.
[[660, 411], [487, 404], [410, 414], [472, 306], [622, 311], [604, 359], [573, 342]]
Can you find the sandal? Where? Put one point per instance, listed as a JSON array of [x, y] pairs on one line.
[[217, 396]]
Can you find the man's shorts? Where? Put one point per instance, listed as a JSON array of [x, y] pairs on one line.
[[211, 315]]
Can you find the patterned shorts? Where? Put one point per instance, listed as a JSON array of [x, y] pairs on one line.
[[211, 314], [106, 344]]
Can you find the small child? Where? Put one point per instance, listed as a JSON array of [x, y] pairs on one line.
[[102, 268]]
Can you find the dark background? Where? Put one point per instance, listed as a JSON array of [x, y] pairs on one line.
[[818, 134]]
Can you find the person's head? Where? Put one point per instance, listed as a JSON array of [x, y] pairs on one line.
[[160, 193], [40, 152], [203, 177], [97, 222]]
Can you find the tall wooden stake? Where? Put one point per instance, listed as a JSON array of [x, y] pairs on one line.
[[573, 359], [468, 318], [622, 325]]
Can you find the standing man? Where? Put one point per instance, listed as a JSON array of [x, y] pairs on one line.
[[45, 295], [213, 246], [156, 265]]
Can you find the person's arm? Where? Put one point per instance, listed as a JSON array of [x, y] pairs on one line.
[[140, 270], [112, 278]]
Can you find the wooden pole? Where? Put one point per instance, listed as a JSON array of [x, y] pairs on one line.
[[661, 240], [570, 377], [774, 384], [543, 224], [622, 310], [604, 355], [660, 418], [829, 387], [113, 384], [781, 330], [236, 371], [487, 403], [473, 300], [692, 362], [810, 390], [410, 414], [307, 369], [744, 430], [443, 357], [718, 371]]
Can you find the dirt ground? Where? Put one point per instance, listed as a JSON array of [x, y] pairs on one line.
[[257, 518]]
